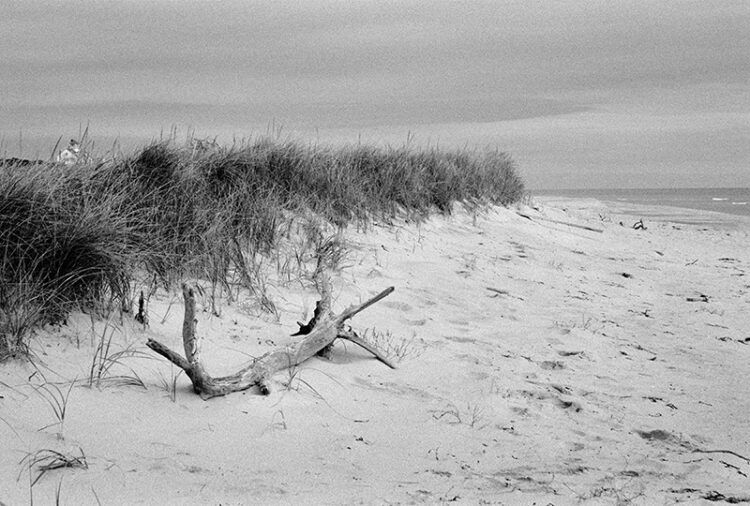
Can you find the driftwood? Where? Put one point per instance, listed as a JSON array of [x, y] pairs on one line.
[[324, 328]]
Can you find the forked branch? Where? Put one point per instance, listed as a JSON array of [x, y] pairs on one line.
[[319, 333]]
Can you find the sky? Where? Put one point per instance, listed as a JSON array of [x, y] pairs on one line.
[[582, 94]]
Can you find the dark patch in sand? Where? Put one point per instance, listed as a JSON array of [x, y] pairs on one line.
[[552, 365]]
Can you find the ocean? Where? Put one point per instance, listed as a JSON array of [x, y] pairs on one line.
[[721, 200]]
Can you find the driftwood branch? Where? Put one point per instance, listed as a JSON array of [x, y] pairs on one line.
[[319, 333], [350, 335]]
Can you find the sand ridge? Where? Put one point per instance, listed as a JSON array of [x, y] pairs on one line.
[[544, 363]]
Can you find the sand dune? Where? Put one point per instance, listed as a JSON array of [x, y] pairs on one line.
[[539, 363]]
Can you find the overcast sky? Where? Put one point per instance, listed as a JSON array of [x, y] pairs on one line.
[[581, 93]]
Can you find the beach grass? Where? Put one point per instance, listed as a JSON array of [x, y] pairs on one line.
[[76, 237]]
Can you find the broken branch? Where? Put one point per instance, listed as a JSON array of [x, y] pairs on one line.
[[321, 333]]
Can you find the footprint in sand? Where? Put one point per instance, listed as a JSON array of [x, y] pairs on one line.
[[666, 437], [551, 365], [374, 273], [459, 323], [461, 339], [425, 298], [398, 306], [404, 307], [556, 400], [394, 388], [521, 250]]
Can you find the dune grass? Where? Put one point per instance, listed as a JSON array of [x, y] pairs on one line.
[[77, 237]]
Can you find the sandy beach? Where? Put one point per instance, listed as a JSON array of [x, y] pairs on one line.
[[548, 353]]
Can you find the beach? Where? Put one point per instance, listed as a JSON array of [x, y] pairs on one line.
[[547, 353]]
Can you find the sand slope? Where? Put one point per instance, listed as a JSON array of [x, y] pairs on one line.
[[543, 363]]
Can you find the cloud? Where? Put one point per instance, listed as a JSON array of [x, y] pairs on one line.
[[237, 64], [435, 49]]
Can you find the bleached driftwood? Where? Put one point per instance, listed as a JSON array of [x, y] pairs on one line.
[[320, 332]]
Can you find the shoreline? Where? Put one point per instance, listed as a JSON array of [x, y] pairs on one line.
[[541, 362], [659, 213]]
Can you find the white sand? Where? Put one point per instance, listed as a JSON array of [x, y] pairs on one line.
[[547, 364]]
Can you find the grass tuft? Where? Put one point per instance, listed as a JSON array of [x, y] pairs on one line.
[[48, 460], [105, 358], [57, 400]]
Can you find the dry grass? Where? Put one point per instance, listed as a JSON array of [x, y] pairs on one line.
[[77, 237], [398, 348], [43, 461], [106, 359]]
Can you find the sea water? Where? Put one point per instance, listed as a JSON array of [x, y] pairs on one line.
[[721, 200]]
